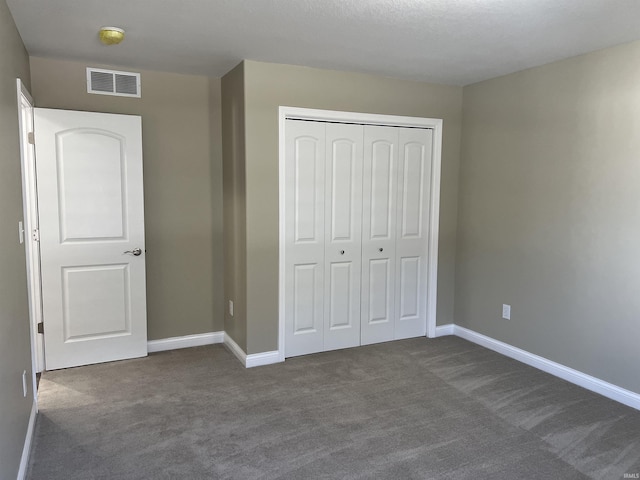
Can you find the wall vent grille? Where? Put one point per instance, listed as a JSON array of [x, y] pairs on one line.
[[112, 82]]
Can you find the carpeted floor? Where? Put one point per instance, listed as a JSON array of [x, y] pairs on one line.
[[412, 409]]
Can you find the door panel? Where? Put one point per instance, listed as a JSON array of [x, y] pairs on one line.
[[341, 313], [409, 288], [304, 237], [82, 288], [89, 174], [412, 189], [305, 318], [92, 190], [343, 157], [307, 164], [343, 242], [379, 212], [414, 180], [379, 283]]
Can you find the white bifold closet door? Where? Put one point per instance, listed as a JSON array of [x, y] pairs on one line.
[[412, 231], [395, 220], [343, 235], [380, 189], [356, 220], [304, 237], [323, 236]]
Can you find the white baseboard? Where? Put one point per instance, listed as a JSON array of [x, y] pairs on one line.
[[174, 343], [594, 384], [24, 460], [254, 359], [235, 349], [443, 330], [263, 358]]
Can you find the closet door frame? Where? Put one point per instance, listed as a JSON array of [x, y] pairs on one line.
[[435, 124]]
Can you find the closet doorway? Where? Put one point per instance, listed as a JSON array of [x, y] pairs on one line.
[[359, 202]]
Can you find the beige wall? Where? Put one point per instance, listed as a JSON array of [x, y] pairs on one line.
[[235, 254], [267, 86], [549, 212], [15, 353], [184, 277]]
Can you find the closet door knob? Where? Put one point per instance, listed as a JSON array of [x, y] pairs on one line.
[[341, 252], [381, 249]]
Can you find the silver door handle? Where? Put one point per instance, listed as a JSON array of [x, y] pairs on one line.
[[136, 252]]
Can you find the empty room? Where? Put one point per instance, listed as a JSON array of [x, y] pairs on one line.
[[381, 239]]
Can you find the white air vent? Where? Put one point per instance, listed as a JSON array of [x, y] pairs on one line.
[[111, 82]]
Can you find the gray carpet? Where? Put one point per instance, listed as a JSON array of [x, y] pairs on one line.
[[413, 409]]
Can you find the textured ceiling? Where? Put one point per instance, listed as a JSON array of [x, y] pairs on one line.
[[444, 41]]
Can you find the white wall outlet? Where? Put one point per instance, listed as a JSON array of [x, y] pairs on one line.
[[506, 311], [21, 232], [24, 383], [231, 307]]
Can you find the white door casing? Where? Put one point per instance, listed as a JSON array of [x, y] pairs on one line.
[[402, 282], [30, 212], [90, 197]]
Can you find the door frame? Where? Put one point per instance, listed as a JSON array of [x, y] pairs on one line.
[[30, 219], [297, 113]]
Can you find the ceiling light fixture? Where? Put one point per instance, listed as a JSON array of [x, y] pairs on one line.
[[111, 35]]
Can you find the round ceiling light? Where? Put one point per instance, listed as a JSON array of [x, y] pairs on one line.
[[111, 35]]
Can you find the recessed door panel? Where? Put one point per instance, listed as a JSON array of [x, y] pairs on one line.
[[380, 278], [306, 317], [409, 288], [306, 165], [92, 196], [412, 178], [343, 164], [382, 186], [87, 286], [340, 311], [344, 185]]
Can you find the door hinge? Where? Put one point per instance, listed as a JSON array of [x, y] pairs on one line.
[[31, 138], [40, 327], [35, 235]]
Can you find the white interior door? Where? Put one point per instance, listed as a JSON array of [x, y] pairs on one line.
[[343, 235], [379, 211], [304, 238], [89, 174], [412, 231]]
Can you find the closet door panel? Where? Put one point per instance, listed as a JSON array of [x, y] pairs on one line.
[[379, 213], [343, 235], [414, 180], [304, 237]]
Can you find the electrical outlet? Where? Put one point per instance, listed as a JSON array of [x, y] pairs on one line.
[[506, 311], [231, 307], [24, 383]]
